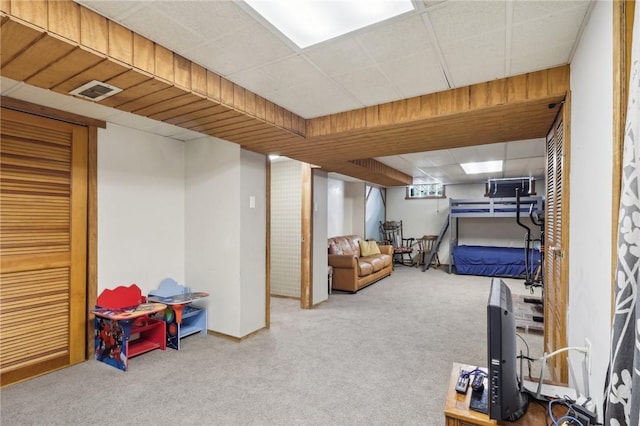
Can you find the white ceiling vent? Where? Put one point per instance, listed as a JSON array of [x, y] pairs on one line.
[[95, 90]]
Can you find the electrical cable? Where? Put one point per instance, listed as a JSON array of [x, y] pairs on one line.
[[572, 419], [527, 357]]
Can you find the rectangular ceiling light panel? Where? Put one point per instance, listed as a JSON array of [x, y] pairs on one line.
[[482, 167], [308, 22]]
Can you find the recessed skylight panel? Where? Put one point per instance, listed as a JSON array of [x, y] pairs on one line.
[[308, 22], [482, 167]]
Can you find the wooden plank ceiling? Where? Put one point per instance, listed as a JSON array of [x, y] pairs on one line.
[[60, 45]]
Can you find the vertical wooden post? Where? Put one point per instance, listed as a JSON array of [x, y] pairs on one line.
[[306, 280]]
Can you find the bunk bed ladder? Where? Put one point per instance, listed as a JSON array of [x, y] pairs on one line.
[[436, 246]]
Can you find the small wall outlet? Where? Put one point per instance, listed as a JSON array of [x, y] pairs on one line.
[[587, 357]]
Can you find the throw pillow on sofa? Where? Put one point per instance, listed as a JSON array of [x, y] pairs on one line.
[[368, 248]]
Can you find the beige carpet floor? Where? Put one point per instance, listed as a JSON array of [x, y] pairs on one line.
[[381, 356]]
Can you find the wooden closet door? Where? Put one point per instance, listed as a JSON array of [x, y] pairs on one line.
[[556, 264], [43, 245]]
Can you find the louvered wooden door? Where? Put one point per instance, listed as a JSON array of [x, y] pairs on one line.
[[555, 278], [43, 245]]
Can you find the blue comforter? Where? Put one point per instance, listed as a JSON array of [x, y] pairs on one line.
[[494, 261]]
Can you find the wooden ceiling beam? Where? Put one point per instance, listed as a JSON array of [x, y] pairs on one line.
[[60, 45]]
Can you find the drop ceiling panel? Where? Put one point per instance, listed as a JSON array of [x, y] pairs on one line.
[[486, 52], [153, 23], [416, 74], [113, 8], [369, 86], [298, 70], [526, 148], [470, 41], [494, 151], [248, 47], [398, 39], [321, 98], [548, 57], [199, 16], [524, 11], [340, 57], [554, 30], [460, 20]]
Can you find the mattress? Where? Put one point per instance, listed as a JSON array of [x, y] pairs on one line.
[[494, 261]]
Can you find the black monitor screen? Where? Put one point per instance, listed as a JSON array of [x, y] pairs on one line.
[[506, 402]]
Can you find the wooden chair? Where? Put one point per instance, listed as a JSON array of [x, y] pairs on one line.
[[426, 245], [391, 234]]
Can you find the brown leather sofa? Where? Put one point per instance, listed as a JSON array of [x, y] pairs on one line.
[[351, 271]]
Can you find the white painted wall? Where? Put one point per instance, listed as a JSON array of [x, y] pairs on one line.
[[320, 257], [335, 207], [213, 244], [141, 217], [253, 240], [590, 197], [427, 216], [354, 220]]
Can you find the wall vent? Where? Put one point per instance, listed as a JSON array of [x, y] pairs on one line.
[[95, 91]]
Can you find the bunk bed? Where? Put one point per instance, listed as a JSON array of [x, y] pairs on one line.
[[486, 260]]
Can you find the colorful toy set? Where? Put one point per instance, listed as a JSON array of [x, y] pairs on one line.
[[182, 318], [120, 314]]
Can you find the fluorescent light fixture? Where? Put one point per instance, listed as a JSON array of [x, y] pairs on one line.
[[308, 22], [482, 167], [273, 157]]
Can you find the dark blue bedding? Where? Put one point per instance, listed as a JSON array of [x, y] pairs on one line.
[[494, 261]]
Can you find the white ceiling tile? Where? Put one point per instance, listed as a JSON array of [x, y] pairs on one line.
[[339, 57], [115, 9], [152, 23], [389, 61], [476, 59], [539, 59], [494, 151], [460, 20], [369, 86], [527, 10], [438, 158], [256, 81], [515, 165], [400, 162], [211, 20], [322, 98], [396, 40], [526, 148], [297, 69], [558, 29], [416, 74], [248, 47]]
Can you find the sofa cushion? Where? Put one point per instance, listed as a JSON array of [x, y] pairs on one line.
[[334, 248], [377, 263], [368, 248], [348, 244], [364, 268]]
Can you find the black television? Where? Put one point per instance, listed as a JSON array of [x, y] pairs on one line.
[[506, 401]]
